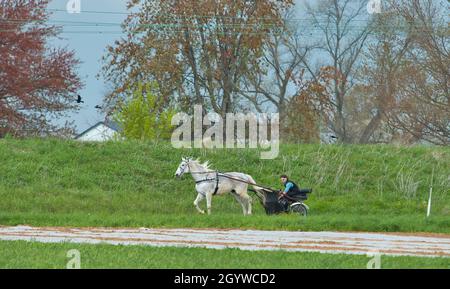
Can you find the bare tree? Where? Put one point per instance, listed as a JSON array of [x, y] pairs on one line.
[[424, 104], [344, 33], [283, 54], [383, 73]]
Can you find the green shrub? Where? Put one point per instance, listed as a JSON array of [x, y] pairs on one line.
[[146, 116]]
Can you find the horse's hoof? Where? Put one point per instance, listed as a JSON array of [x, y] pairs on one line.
[[202, 212]]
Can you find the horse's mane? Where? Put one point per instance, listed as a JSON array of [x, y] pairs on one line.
[[205, 164]]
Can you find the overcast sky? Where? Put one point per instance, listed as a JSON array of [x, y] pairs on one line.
[[89, 48]]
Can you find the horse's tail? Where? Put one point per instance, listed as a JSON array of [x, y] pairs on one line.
[[258, 190]]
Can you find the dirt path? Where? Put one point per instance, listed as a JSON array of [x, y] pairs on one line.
[[424, 245]]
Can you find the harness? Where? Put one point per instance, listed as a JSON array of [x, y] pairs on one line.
[[265, 188], [210, 180], [206, 180]]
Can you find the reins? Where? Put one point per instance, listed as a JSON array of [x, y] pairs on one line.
[[219, 174], [228, 177]]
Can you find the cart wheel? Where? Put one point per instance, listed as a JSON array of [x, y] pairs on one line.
[[300, 209]]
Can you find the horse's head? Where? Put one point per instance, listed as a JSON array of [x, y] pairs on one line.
[[183, 167]]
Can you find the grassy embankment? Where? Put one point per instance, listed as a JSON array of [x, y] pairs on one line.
[[356, 188]]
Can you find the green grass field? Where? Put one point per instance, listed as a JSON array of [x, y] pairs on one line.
[[19, 254], [131, 184], [121, 184]]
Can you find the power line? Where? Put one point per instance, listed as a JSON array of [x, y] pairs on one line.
[[90, 12], [177, 16], [313, 25], [157, 25], [176, 26], [193, 16], [65, 23], [249, 33]]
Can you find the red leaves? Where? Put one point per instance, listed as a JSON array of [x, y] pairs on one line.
[[35, 80]]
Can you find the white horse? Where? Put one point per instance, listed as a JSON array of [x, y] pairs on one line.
[[209, 183]]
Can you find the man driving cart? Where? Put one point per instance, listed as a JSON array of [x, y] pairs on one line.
[[291, 193]]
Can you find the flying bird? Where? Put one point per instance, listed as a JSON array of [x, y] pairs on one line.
[[79, 99], [98, 107]]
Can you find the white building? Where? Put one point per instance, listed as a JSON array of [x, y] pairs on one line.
[[102, 131]]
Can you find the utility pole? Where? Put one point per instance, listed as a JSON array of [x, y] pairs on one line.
[[429, 197]]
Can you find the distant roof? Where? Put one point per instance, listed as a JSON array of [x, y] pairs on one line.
[[108, 123], [113, 125]]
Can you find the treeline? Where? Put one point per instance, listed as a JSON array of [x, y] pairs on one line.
[[327, 67], [366, 78]]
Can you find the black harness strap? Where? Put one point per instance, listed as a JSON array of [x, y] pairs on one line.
[[205, 180], [210, 180], [217, 183]]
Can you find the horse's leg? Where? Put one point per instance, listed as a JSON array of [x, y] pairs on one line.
[[208, 202], [240, 201], [198, 200], [249, 206], [244, 205], [246, 201]]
